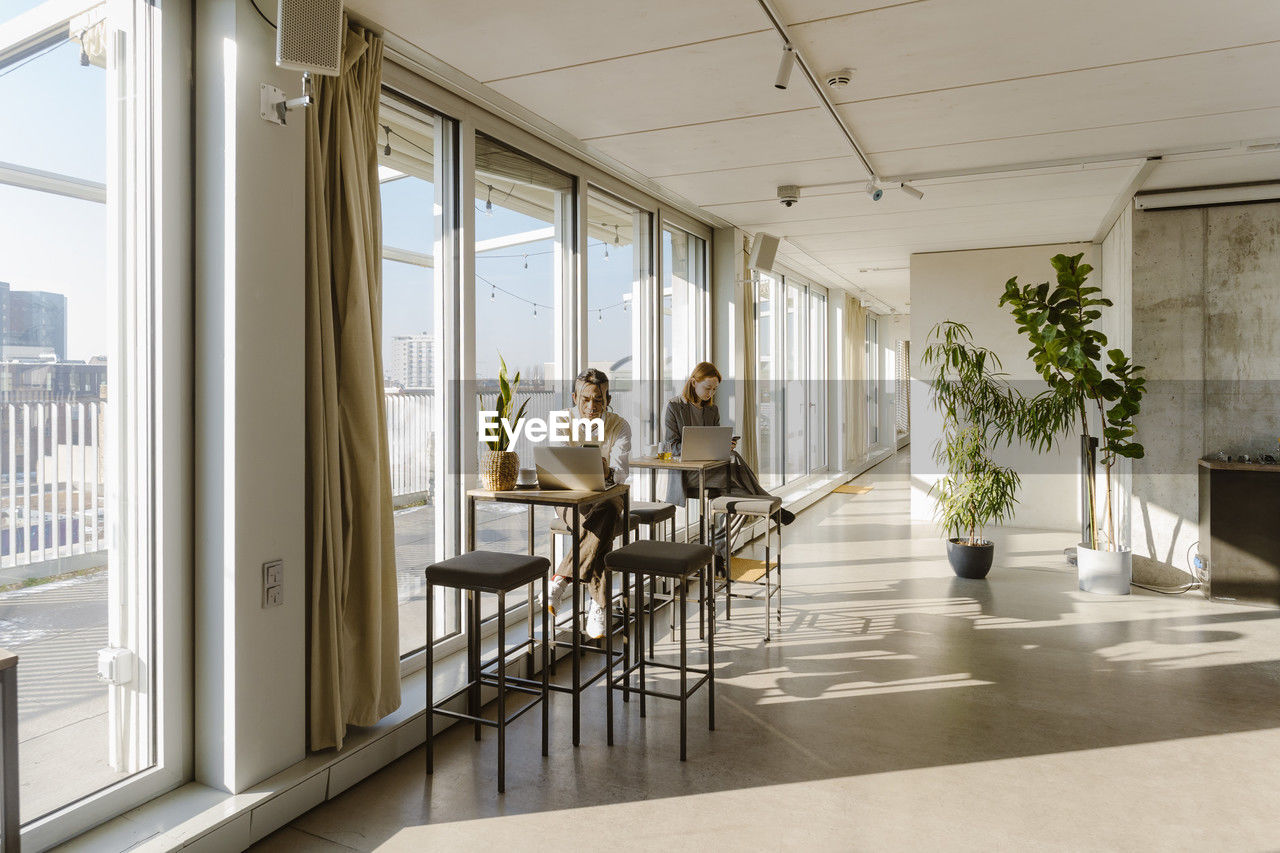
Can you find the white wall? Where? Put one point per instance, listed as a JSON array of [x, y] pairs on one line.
[[966, 287], [249, 661]]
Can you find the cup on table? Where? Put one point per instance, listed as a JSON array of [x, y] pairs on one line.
[[654, 450], [527, 477]]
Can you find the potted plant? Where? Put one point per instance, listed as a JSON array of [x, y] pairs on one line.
[[979, 409], [1068, 354], [499, 464]]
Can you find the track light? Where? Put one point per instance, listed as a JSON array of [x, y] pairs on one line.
[[784, 67], [912, 191], [875, 192]]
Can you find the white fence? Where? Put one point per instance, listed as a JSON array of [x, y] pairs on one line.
[[51, 486]]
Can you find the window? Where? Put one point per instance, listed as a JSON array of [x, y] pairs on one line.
[[82, 376], [873, 381], [768, 388], [817, 386], [413, 226], [618, 280], [523, 261], [684, 307]]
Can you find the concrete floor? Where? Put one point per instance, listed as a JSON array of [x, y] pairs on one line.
[[900, 707]]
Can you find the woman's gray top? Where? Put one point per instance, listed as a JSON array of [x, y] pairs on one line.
[[679, 414]]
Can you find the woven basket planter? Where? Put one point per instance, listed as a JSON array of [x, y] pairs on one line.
[[499, 469]]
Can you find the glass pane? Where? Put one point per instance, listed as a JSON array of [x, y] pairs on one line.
[[66, 556], [796, 417], [617, 268], [411, 366], [817, 382], [684, 309], [523, 229], [768, 390], [873, 382]]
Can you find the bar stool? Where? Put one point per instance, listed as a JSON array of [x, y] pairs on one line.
[[679, 562], [488, 571], [759, 506], [651, 514]]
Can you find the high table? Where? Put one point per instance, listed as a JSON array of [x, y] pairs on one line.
[[655, 464], [575, 501]]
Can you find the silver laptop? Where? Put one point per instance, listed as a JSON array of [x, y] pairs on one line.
[[577, 468], [705, 444]]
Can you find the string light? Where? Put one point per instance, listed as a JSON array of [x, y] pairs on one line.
[[493, 294], [600, 315], [535, 309], [606, 251], [526, 261], [617, 240], [387, 130], [488, 202]]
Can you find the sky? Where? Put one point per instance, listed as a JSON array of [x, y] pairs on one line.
[[53, 118]]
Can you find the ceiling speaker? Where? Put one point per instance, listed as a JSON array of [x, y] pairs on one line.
[[309, 36], [764, 249]]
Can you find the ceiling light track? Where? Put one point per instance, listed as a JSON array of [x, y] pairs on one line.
[[817, 85]]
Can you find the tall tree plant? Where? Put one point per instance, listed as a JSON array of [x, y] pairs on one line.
[[1067, 351]]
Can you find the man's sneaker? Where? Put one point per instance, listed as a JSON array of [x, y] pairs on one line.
[[595, 620], [556, 592]]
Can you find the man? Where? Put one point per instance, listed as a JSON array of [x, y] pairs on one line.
[[599, 522]]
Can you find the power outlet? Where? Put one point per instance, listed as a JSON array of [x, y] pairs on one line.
[[273, 583]]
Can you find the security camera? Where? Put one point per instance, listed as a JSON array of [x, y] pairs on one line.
[[788, 195], [875, 192]]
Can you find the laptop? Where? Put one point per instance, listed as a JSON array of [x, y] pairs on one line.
[[705, 444], [562, 467]]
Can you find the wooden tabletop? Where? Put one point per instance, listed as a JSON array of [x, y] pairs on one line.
[[676, 464], [1215, 465], [548, 497]]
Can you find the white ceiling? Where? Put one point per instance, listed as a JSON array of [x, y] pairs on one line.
[[966, 99]]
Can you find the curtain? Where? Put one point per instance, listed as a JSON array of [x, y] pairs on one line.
[[855, 373], [353, 655]]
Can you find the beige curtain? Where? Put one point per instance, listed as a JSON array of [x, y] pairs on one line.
[[353, 666], [855, 374]]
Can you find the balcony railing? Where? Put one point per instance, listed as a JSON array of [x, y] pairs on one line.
[[52, 500]]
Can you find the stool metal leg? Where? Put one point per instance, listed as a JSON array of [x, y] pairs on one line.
[[547, 641], [767, 597], [728, 569], [684, 679], [608, 654], [711, 666], [430, 708], [502, 692], [640, 639], [779, 525], [473, 657]]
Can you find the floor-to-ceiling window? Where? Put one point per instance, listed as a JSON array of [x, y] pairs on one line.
[[414, 217], [524, 253], [84, 361], [791, 389], [684, 307], [873, 380], [619, 271]]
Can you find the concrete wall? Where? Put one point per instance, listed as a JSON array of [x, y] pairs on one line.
[[1206, 324], [966, 287], [249, 661]]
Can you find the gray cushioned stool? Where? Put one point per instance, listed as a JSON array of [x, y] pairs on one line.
[[477, 572], [653, 513], [763, 506], [679, 562]]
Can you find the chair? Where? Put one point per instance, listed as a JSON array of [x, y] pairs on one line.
[[761, 506], [678, 562], [477, 572]]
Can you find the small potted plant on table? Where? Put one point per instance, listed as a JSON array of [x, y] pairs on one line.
[[499, 464]]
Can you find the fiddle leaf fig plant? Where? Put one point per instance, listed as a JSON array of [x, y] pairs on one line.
[[1068, 354]]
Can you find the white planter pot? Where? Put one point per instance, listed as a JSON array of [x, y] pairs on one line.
[[1104, 572]]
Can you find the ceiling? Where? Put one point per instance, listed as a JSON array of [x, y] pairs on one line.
[[1023, 123]]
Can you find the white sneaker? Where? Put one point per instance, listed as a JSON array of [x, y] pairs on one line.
[[556, 592], [595, 620]]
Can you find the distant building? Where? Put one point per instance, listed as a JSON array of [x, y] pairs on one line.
[[33, 325], [411, 357]]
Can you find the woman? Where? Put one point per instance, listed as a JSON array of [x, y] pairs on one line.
[[695, 406]]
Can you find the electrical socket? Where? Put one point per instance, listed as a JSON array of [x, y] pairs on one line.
[[273, 583]]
